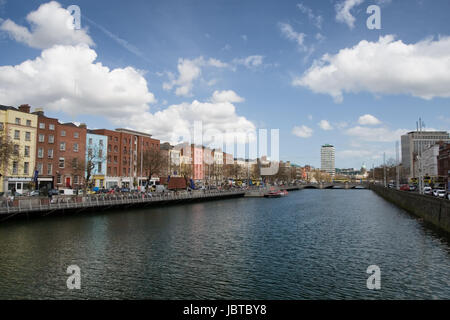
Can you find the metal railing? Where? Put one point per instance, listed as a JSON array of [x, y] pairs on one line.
[[8, 206]]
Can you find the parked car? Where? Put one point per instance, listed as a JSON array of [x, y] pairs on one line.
[[427, 191], [34, 193], [53, 192], [405, 187], [440, 193], [412, 187]]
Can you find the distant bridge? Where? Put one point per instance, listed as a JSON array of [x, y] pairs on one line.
[[335, 185]]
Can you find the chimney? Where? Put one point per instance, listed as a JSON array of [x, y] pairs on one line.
[[39, 111], [82, 125], [24, 108]]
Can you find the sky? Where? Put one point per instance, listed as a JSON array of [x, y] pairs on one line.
[[311, 69]]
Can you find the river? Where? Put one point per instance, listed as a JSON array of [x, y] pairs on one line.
[[313, 244]]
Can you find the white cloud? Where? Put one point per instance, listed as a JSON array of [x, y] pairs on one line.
[[383, 67], [302, 131], [250, 61], [226, 96], [50, 24], [315, 19], [176, 121], [288, 32], [188, 72], [343, 13], [382, 134], [70, 79], [325, 125], [368, 119]]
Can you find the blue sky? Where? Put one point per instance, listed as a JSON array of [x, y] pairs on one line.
[[256, 55]]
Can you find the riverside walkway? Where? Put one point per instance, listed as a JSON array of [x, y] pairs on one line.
[[43, 206]]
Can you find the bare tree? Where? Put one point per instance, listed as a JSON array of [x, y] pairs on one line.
[[94, 156], [154, 162], [7, 152]]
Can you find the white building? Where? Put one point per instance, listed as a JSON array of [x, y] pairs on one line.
[[327, 159], [430, 162], [415, 141]]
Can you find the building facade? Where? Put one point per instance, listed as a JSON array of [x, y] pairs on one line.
[[70, 155], [430, 161], [96, 159], [414, 142], [444, 163], [20, 126], [327, 159]]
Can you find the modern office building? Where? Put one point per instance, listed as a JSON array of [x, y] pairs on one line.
[[327, 159], [416, 141]]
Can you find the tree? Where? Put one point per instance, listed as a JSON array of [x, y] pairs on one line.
[[78, 169], [7, 152], [186, 171], [153, 162], [94, 156]]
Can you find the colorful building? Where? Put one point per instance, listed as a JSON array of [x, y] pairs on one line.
[[20, 126], [96, 159]]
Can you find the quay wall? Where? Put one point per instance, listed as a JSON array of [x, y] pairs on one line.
[[432, 210]]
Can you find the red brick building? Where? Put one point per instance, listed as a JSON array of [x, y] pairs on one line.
[[444, 163], [71, 154], [60, 152], [126, 149]]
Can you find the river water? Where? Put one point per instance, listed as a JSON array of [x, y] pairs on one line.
[[313, 244]]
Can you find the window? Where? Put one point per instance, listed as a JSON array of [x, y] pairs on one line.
[[90, 140], [1, 126], [40, 153], [39, 168], [16, 134], [50, 153], [49, 168], [51, 127], [51, 138], [15, 167], [115, 171], [109, 171], [62, 146], [109, 148], [27, 151], [16, 149], [76, 135], [116, 139], [99, 167], [75, 179], [75, 147], [28, 123], [100, 153], [41, 125], [41, 138], [63, 133], [61, 163], [26, 167], [109, 159], [116, 149], [17, 120], [100, 143], [58, 179], [27, 136], [115, 159]]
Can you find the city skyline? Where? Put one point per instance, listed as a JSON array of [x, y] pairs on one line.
[[230, 76]]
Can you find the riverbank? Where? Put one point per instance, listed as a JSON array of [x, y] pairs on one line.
[[432, 210]]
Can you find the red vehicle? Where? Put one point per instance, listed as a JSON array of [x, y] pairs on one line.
[[405, 187]]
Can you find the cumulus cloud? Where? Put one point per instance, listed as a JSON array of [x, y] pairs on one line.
[[68, 78], [368, 119], [226, 96], [189, 70], [50, 24], [302, 132], [343, 11], [383, 67], [289, 32], [382, 134], [325, 125]]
